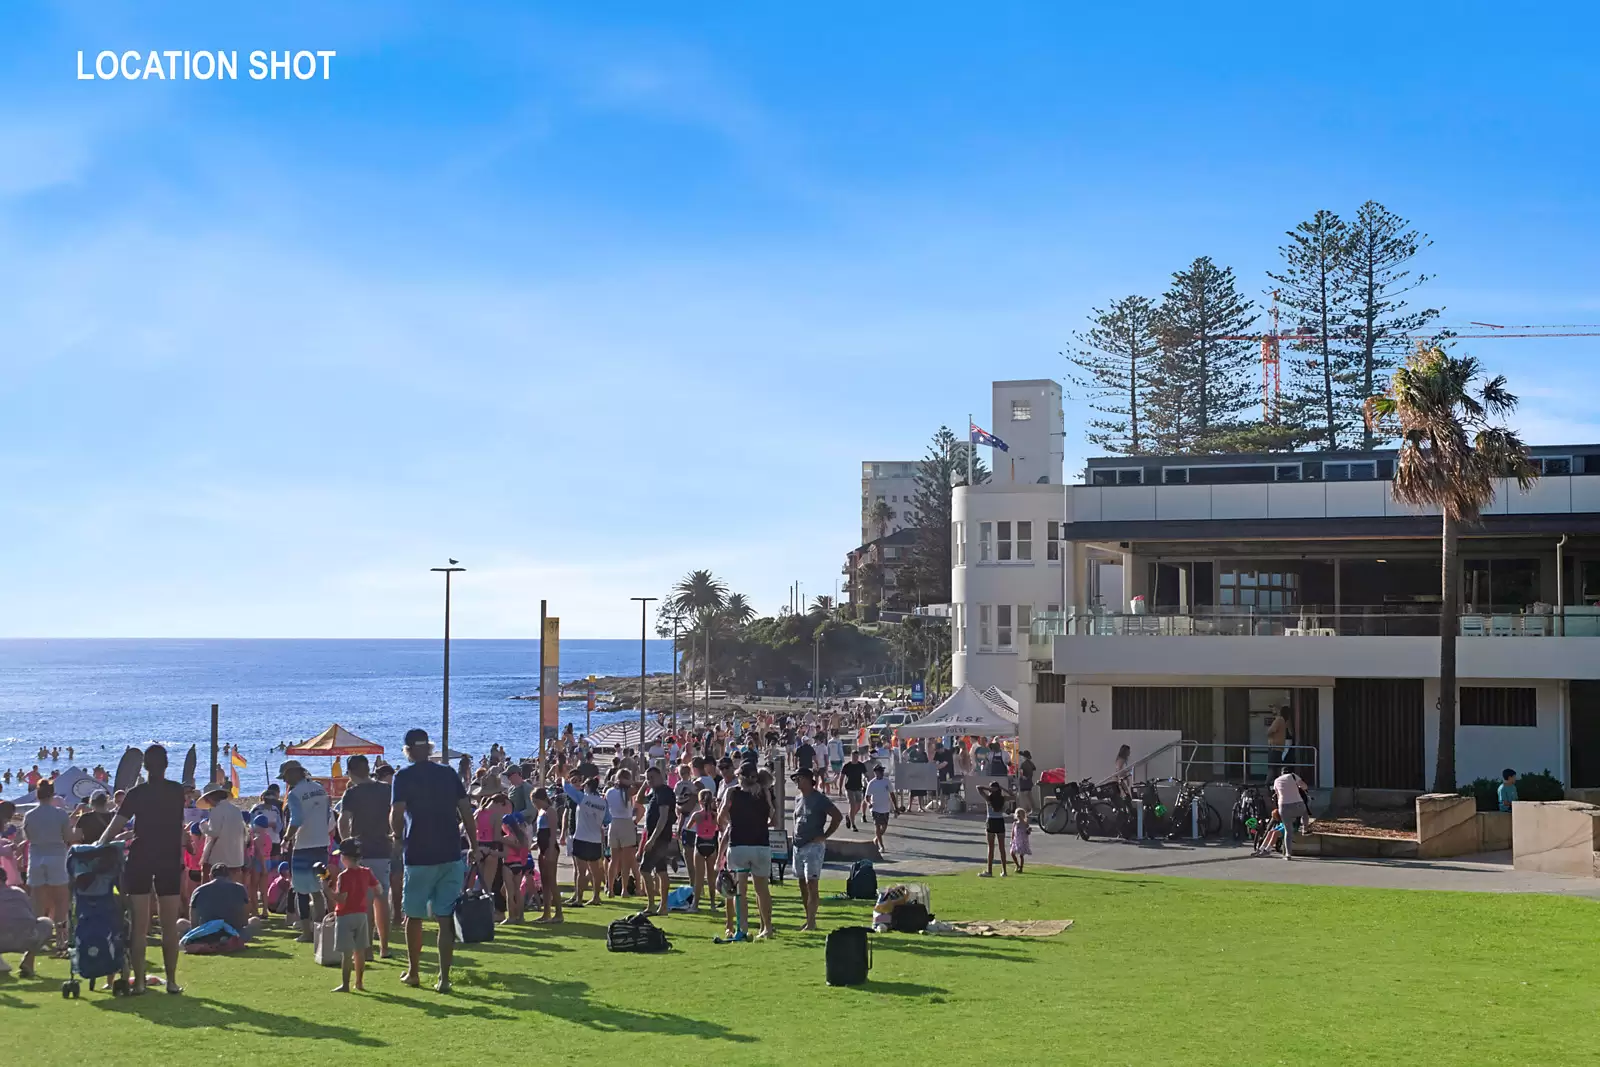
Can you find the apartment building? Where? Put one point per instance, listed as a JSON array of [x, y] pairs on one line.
[[888, 481], [1187, 598]]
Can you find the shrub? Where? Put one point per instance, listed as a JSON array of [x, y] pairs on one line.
[[1535, 785]]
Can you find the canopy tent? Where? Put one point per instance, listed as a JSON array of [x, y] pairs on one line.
[[336, 741], [966, 713]]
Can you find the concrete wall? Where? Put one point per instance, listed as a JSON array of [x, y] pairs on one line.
[[1554, 836], [1089, 744]]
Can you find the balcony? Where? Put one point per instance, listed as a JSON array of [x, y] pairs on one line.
[[1372, 642]]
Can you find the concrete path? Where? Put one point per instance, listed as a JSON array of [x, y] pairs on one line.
[[922, 845]]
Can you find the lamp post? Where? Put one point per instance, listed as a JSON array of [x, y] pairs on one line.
[[644, 607], [675, 621], [444, 734]]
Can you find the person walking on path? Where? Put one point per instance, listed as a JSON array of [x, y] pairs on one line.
[[880, 795], [364, 816], [306, 841], [746, 817], [854, 777], [155, 863], [429, 812], [1027, 772], [812, 809]]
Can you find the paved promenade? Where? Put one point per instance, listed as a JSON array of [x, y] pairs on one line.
[[937, 844]]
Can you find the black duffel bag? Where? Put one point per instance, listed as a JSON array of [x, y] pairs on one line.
[[636, 933]]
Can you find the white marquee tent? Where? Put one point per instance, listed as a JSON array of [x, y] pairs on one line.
[[967, 712]]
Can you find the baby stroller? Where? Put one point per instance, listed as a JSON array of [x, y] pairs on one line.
[[100, 934]]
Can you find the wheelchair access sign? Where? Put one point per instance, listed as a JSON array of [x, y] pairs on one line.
[[916, 693]]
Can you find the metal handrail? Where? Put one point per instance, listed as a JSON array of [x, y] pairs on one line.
[[1272, 752]]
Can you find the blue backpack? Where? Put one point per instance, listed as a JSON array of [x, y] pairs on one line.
[[863, 881]]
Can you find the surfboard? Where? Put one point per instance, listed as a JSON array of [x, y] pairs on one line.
[[188, 766], [128, 769]]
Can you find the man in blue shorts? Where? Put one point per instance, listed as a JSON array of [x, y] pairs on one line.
[[430, 811]]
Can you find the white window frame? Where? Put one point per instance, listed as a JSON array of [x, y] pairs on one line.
[[1002, 625], [1348, 466], [1024, 551], [1021, 410], [960, 627], [1002, 540], [958, 543], [985, 633], [985, 542], [1540, 461], [1189, 469], [1116, 476], [1052, 542], [1024, 623]]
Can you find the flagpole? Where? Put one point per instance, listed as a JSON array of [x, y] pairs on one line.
[[969, 450]]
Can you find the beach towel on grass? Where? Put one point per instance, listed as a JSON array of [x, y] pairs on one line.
[[1012, 928]]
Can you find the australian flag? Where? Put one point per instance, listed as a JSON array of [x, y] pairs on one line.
[[984, 437]]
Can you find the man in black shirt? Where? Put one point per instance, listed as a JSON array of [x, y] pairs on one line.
[[855, 785], [659, 819], [155, 863], [805, 756]]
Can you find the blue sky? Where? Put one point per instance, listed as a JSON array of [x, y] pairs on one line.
[[587, 296]]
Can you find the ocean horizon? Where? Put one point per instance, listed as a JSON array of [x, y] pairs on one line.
[[99, 695]]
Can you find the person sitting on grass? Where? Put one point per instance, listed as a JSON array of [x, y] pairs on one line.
[[1507, 793], [221, 898], [350, 893], [21, 930]]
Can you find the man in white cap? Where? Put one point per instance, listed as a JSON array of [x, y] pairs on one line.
[[225, 831], [306, 842]]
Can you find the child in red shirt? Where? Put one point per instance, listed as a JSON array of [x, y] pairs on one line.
[[349, 892]]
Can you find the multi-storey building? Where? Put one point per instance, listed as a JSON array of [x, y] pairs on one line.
[[1173, 604], [888, 481]]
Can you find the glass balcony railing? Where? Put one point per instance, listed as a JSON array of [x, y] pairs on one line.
[[1384, 620]]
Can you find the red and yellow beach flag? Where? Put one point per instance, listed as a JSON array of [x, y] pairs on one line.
[[237, 760]]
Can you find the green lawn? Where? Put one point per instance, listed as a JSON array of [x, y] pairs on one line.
[[1156, 971]]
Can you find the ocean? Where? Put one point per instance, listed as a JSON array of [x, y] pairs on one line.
[[99, 696]]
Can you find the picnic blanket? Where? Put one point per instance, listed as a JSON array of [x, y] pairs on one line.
[[1005, 928]]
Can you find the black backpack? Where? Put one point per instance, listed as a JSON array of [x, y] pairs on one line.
[[863, 881], [636, 933], [909, 918], [848, 955]]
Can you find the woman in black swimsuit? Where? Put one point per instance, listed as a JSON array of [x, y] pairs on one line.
[[994, 830]]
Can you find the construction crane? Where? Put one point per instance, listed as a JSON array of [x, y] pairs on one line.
[[1272, 341]]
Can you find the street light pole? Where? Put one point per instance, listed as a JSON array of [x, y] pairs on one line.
[[444, 734], [675, 675], [644, 607]]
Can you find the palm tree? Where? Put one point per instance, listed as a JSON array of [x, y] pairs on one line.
[[701, 594], [738, 611], [881, 516], [822, 605], [1451, 458]]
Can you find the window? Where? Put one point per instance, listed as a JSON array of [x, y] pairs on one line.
[[1054, 609], [877, 470], [1266, 589], [1024, 619], [1052, 540], [1496, 706], [1555, 465], [958, 543], [1002, 615], [1003, 536], [1350, 472], [1025, 541], [1117, 476], [1021, 411], [983, 627], [985, 542], [1288, 472], [958, 628], [1175, 475]]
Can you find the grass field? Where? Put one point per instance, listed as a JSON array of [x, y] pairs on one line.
[[1156, 971]]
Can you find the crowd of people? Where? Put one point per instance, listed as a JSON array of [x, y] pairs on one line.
[[400, 846]]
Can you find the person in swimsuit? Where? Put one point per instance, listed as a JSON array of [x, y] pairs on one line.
[[548, 849], [703, 860], [994, 830]]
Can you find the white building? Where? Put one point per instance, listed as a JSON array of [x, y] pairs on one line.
[[890, 481], [1171, 604]]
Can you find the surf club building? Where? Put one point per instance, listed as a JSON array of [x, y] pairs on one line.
[[1174, 604]]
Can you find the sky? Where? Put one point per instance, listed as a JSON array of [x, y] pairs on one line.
[[588, 296]]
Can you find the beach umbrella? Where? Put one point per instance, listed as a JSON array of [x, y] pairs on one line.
[[336, 741]]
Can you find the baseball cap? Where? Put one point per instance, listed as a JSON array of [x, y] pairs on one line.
[[416, 736], [805, 773]]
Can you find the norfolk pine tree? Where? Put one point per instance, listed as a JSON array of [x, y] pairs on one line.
[[1381, 244], [1116, 370], [1315, 286], [1203, 382]]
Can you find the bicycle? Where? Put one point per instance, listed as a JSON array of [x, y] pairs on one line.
[[1190, 798], [1250, 814]]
